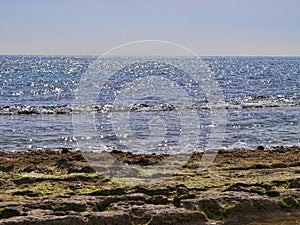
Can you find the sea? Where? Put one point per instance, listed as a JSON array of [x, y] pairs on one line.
[[148, 106]]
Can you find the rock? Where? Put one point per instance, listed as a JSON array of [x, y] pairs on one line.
[[28, 193], [212, 208], [63, 164], [6, 168], [76, 206], [295, 183], [289, 202], [136, 197], [157, 191], [65, 150], [260, 148], [158, 200], [177, 199], [77, 168], [260, 166], [240, 186], [109, 218], [86, 169], [181, 189], [252, 208], [45, 220], [178, 217], [106, 192], [9, 212], [104, 204], [36, 168], [273, 193], [143, 219]]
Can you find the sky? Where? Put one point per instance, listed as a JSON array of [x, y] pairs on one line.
[[93, 27]]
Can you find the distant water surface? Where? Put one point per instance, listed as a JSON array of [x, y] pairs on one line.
[[262, 99]]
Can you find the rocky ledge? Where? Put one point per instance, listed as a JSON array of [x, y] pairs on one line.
[[59, 187]]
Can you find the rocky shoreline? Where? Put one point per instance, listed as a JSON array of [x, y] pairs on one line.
[[59, 187]]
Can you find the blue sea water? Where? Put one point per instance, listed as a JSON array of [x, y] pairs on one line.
[[37, 95]]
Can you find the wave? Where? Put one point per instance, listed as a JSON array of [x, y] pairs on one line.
[[24, 110], [69, 109]]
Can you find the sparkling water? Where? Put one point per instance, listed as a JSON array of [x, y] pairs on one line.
[[261, 98]]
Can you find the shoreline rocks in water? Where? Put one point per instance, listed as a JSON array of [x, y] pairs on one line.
[[59, 187]]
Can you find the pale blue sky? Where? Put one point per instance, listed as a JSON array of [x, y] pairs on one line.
[[211, 27]]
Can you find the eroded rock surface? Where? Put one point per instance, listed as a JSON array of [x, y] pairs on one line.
[[59, 187]]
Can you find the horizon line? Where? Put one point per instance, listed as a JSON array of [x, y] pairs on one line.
[[95, 55]]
